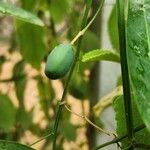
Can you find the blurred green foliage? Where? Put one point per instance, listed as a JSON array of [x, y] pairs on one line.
[[61, 20]]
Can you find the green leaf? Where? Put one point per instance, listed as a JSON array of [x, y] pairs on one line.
[[46, 95], [8, 145], [100, 54], [29, 5], [19, 13], [8, 114], [58, 9], [20, 80], [31, 40], [68, 130], [78, 87], [113, 29], [138, 50], [141, 136], [24, 118], [90, 41]]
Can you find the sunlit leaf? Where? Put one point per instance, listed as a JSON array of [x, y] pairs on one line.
[[100, 54], [19, 13]]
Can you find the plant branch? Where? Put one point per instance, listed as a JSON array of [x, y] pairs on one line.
[[120, 138], [124, 69]]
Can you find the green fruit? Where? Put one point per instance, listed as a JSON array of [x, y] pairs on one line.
[[59, 61]]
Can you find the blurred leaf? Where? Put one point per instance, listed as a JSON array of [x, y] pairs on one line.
[[68, 130], [31, 37], [74, 22], [78, 87], [35, 129], [2, 60], [8, 145], [19, 13], [100, 54], [141, 136], [8, 113], [90, 41], [46, 95], [106, 101], [58, 9], [24, 118], [59, 147], [113, 29], [119, 80], [31, 40], [20, 80], [29, 5]]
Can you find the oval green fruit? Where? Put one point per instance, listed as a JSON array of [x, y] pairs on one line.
[[59, 61]]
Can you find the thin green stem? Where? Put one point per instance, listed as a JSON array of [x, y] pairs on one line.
[[120, 138], [89, 24], [124, 69], [41, 139], [58, 115]]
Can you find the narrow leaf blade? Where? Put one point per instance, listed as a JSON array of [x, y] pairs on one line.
[[100, 54], [19, 13], [113, 29]]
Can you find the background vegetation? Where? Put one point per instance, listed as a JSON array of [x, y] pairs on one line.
[[29, 101]]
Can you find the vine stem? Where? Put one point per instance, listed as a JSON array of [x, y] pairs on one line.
[[90, 122], [41, 139], [124, 69]]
